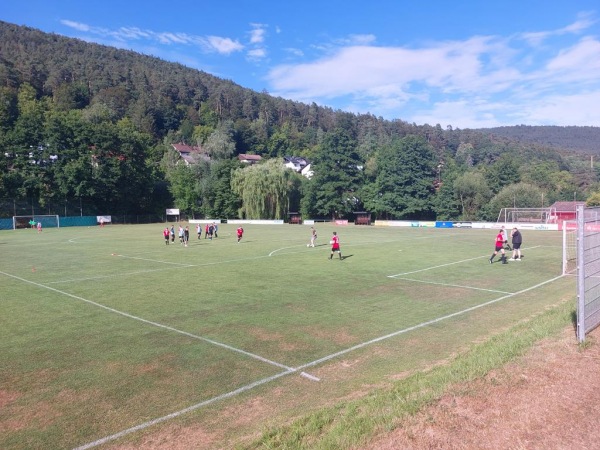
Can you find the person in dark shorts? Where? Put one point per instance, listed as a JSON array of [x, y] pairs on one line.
[[517, 240]]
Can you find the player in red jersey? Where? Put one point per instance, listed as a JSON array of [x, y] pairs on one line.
[[335, 245], [240, 233], [499, 248]]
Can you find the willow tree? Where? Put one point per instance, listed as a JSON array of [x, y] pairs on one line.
[[265, 189]]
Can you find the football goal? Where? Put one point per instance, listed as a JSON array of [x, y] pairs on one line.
[[47, 221], [527, 215]]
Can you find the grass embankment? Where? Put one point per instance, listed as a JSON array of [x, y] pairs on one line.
[[354, 423]]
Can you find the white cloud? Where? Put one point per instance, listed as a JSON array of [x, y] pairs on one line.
[[585, 21], [363, 69], [584, 56], [256, 54], [294, 52], [580, 109], [224, 45], [358, 39], [480, 81], [257, 34], [221, 45], [75, 25], [472, 113]]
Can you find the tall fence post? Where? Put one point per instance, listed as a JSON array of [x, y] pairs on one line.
[[580, 276]]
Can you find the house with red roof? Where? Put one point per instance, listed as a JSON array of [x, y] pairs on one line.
[[191, 154]]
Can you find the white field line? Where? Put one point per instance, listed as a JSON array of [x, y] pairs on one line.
[[423, 324], [120, 274], [345, 245], [154, 260], [144, 425], [178, 266], [452, 285], [310, 364], [448, 264], [156, 324]]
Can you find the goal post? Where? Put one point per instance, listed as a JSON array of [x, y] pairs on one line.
[[47, 221], [569, 247]]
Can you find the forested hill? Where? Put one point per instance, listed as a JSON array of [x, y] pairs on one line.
[[90, 127], [583, 139]]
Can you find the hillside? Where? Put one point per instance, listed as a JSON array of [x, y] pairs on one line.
[[90, 128], [581, 139]]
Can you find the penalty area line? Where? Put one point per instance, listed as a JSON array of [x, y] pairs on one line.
[[447, 264], [452, 285], [423, 324]]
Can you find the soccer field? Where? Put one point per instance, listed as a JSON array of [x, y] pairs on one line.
[[109, 336]]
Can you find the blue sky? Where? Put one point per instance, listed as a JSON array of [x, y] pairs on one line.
[[467, 64]]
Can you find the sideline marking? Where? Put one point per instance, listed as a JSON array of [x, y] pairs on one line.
[[452, 285], [448, 264], [156, 324], [144, 425], [310, 364], [154, 260], [100, 277], [424, 324]]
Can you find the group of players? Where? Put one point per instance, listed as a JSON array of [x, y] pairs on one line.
[[502, 240], [211, 229]]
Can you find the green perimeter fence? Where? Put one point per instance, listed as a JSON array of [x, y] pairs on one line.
[[85, 221], [73, 212]]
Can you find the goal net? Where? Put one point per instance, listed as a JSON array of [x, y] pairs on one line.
[[527, 215], [47, 221], [569, 247]]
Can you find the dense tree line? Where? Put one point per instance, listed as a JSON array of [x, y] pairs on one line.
[[85, 122]]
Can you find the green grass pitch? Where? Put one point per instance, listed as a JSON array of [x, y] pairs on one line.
[[106, 329]]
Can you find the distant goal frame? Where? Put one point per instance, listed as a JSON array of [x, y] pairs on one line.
[[47, 220], [528, 215]]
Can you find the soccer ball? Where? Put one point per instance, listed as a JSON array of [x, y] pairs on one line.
[[330, 242], [308, 245]]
